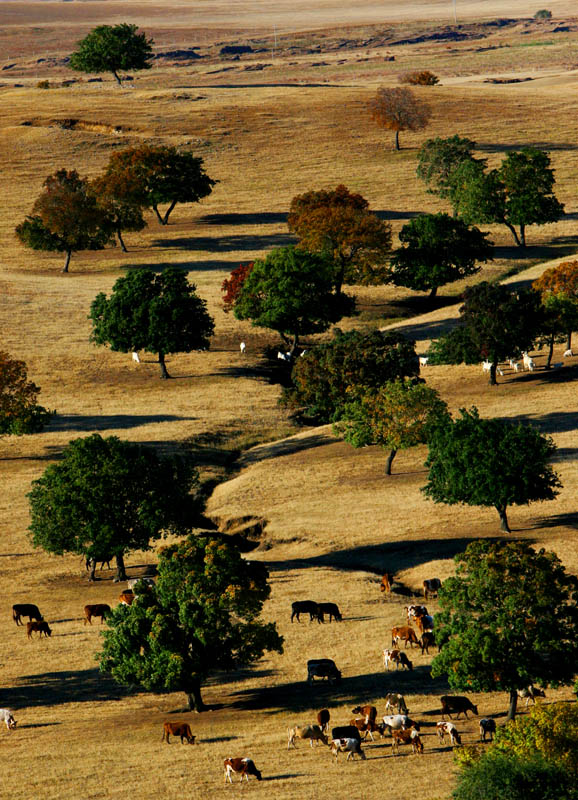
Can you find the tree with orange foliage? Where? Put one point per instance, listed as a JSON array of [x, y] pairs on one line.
[[231, 287], [19, 411], [338, 223], [399, 110], [559, 288]]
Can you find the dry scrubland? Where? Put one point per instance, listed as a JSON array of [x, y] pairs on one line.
[[333, 521]]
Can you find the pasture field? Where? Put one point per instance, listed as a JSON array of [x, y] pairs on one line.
[[269, 125]]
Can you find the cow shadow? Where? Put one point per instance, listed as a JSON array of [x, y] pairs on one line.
[[38, 725], [68, 686], [285, 777], [215, 739]]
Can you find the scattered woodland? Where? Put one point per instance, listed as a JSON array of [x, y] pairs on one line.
[[288, 313]]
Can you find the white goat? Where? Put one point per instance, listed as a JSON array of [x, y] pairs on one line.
[[242, 347]]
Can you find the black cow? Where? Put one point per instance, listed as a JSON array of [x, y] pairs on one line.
[[25, 610], [331, 610], [346, 732], [306, 607]]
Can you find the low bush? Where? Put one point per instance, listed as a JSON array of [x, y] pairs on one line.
[[419, 78]]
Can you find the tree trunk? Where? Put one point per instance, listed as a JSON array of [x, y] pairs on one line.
[[120, 569], [118, 80], [493, 381], [160, 219], [397, 140], [550, 352], [569, 341], [523, 235], [294, 345], [194, 698], [165, 219], [514, 233], [92, 562], [513, 706], [164, 372], [433, 292], [389, 462], [67, 261], [121, 241], [502, 511]]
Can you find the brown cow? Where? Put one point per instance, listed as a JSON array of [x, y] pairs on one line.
[[458, 704], [369, 713], [386, 584], [323, 718], [368, 727], [431, 587], [405, 633], [96, 610], [126, 598], [241, 766], [182, 729], [410, 736], [41, 627]]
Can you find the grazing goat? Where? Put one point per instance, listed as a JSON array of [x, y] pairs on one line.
[[242, 347], [568, 353]]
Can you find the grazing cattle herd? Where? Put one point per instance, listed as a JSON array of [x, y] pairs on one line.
[[347, 738]]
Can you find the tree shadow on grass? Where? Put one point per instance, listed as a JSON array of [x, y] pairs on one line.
[[226, 244], [376, 558], [286, 447], [201, 265], [80, 422], [570, 520], [58, 688], [428, 329], [500, 147], [554, 422], [250, 218], [300, 696]]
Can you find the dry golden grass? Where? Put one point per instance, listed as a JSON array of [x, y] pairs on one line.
[[333, 520]]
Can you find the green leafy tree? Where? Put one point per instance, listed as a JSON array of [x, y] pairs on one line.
[[122, 212], [399, 110], [338, 224], [560, 314], [518, 194], [509, 618], [395, 416], [437, 160], [156, 174], [106, 497], [489, 462], [496, 323], [291, 292], [66, 218], [159, 313], [495, 776], [353, 359], [19, 410], [112, 48], [202, 616], [438, 249], [550, 731]]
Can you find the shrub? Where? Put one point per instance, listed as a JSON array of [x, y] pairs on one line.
[[43, 85], [543, 13], [419, 78]]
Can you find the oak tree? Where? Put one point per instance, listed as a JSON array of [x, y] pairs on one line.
[[438, 249], [489, 463], [437, 160], [231, 286], [19, 410], [115, 199], [156, 174], [201, 617], [112, 48], [292, 292], [395, 416], [509, 618], [106, 497], [560, 286], [158, 313], [323, 375], [338, 224], [399, 110], [66, 218]]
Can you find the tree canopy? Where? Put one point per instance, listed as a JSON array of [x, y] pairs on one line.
[[558, 287], [489, 462], [338, 224], [323, 375], [160, 313], [291, 292], [398, 110], [437, 160], [112, 48], [66, 218], [121, 211], [395, 416], [19, 410], [437, 249], [509, 618], [156, 174], [106, 497], [496, 323], [517, 194], [202, 617], [231, 286]]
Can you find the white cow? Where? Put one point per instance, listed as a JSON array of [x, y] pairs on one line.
[[399, 722], [7, 716], [350, 746]]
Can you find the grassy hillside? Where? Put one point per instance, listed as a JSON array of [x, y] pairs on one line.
[[331, 520]]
